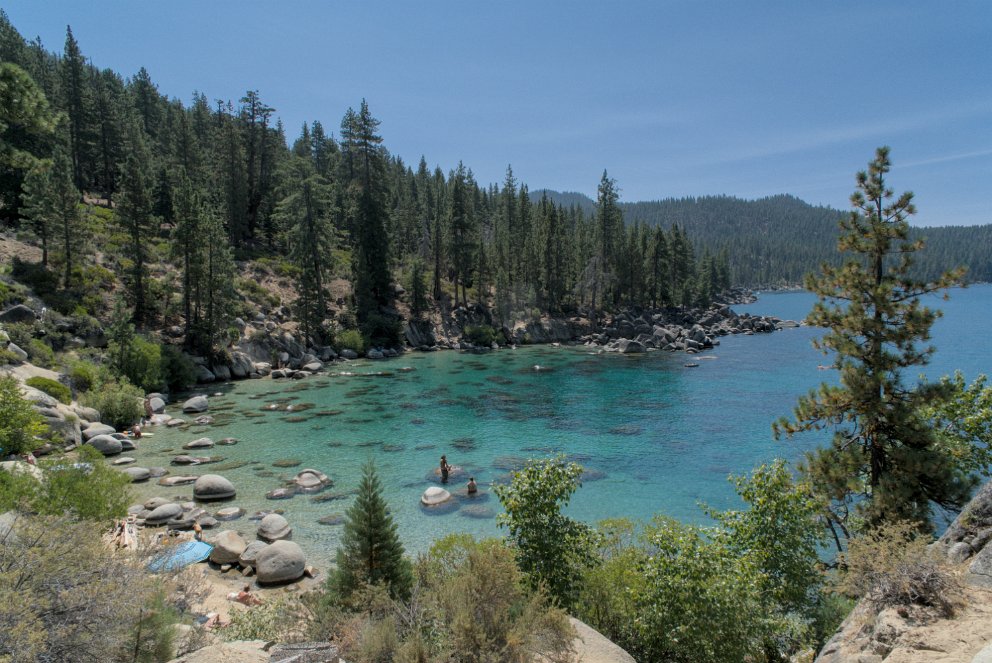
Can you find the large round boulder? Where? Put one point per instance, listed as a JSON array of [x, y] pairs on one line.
[[228, 546], [163, 514], [435, 495], [157, 404], [249, 556], [282, 561], [213, 487], [274, 527], [196, 404], [107, 445]]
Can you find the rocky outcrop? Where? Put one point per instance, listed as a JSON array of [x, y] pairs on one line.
[[870, 634]]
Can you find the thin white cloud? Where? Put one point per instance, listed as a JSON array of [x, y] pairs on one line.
[[782, 144], [947, 157]]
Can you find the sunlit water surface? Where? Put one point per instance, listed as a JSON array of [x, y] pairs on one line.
[[654, 435]]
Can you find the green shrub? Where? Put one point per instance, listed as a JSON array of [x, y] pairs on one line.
[[43, 281], [87, 490], [351, 339], [483, 335], [19, 423], [85, 375], [118, 401], [40, 353], [8, 357], [53, 388]]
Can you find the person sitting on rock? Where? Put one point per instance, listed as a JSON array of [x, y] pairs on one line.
[[473, 488], [445, 468]]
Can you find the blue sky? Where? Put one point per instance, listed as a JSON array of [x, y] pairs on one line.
[[672, 98]]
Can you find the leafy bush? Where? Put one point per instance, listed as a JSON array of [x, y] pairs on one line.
[[85, 375], [8, 357], [273, 621], [53, 388], [553, 549], [10, 294], [89, 489], [19, 423], [483, 335], [40, 353], [351, 339], [892, 565], [36, 276], [118, 401]]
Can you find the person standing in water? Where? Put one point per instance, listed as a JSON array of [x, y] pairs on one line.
[[473, 488], [445, 468]]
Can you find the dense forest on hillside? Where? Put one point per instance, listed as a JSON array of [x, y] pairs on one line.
[[171, 195], [213, 182], [776, 240]]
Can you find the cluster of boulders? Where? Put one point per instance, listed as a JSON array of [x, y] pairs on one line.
[[272, 558], [676, 331]]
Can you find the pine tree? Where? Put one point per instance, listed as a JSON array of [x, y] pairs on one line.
[[66, 199], [884, 462], [76, 88], [370, 551], [418, 290], [134, 213], [306, 213], [38, 204]]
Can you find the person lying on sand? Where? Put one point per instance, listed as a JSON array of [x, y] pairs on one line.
[[245, 597]]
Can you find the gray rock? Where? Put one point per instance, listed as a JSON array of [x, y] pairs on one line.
[[313, 366], [204, 375], [274, 527], [250, 554], [17, 352], [95, 429], [137, 473], [203, 420], [157, 404], [18, 313], [155, 502], [200, 443], [207, 522], [349, 354], [213, 487], [374, 354], [179, 480], [228, 546], [86, 413], [163, 514], [105, 444], [282, 561], [173, 423], [196, 404], [221, 372], [229, 513], [123, 460], [310, 480]]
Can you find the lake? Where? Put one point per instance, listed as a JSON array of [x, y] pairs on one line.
[[654, 436]]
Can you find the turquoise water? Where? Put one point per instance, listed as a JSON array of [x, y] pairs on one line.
[[655, 436]]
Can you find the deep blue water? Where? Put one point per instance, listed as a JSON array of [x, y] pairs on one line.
[[656, 437]]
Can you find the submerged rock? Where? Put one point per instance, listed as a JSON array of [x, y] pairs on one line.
[[434, 495], [274, 527]]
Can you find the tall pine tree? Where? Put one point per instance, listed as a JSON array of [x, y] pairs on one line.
[[884, 462]]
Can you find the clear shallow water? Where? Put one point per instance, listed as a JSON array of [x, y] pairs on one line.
[[655, 436]]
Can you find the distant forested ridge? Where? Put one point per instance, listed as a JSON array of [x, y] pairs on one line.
[[776, 240]]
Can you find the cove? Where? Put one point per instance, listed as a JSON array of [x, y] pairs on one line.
[[655, 436]]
